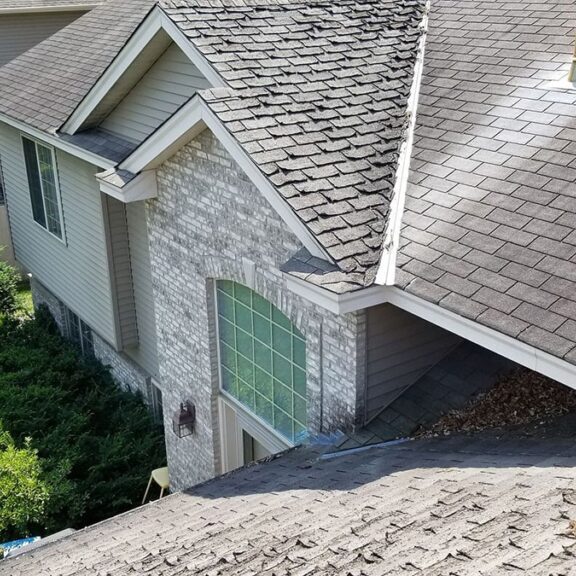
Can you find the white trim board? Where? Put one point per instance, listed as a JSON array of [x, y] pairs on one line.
[[387, 269], [187, 122], [142, 187], [156, 21], [42, 9], [47, 138], [506, 346]]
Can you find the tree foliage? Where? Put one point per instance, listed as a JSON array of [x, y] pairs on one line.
[[23, 491], [96, 442], [9, 278]]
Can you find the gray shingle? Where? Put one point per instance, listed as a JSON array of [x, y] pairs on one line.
[[465, 505], [45, 84], [519, 132]]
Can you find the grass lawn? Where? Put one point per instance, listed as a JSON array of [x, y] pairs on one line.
[[24, 300]]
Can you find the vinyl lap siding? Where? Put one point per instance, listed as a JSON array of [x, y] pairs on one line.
[[76, 272], [19, 32], [169, 83], [122, 273], [146, 353], [401, 349]]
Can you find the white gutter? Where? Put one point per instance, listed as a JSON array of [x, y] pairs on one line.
[[386, 274], [500, 343], [42, 9], [72, 149]]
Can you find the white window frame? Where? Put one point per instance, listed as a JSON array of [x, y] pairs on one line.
[[2, 185], [157, 408], [82, 326], [56, 185]]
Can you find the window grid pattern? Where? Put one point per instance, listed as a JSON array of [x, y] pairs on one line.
[[2, 193], [262, 359], [79, 333], [48, 179], [42, 180]]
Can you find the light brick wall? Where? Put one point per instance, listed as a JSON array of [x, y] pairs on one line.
[[209, 222]]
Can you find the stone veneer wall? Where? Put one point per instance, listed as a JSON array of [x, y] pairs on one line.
[[125, 372], [209, 222]]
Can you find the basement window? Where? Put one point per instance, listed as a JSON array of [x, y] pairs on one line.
[[43, 185], [155, 395], [78, 332], [2, 193]]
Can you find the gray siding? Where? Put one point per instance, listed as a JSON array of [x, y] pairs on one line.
[[76, 272], [169, 83], [400, 349], [119, 253], [146, 353], [19, 32]]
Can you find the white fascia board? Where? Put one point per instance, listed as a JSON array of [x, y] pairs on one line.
[[142, 187], [181, 128], [337, 303], [53, 140], [155, 21], [173, 133], [386, 274], [502, 344], [147, 30], [41, 9], [489, 338]]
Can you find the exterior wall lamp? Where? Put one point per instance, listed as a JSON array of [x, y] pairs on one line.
[[184, 419]]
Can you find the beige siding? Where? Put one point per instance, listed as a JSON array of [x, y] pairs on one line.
[[169, 83], [19, 32], [119, 251], [77, 271], [145, 354], [400, 349]]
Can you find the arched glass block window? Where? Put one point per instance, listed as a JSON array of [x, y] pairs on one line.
[[262, 359]]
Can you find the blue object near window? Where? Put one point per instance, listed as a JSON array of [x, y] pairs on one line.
[[262, 359]]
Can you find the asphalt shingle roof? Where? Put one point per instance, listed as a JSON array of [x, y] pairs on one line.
[[317, 95], [44, 85], [489, 226], [452, 506]]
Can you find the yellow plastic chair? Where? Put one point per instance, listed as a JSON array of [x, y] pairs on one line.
[[161, 477]]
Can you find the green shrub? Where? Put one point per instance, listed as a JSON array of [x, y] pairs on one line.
[[97, 443], [24, 493], [9, 278]]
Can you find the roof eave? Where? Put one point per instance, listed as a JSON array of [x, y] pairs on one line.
[[156, 21]]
